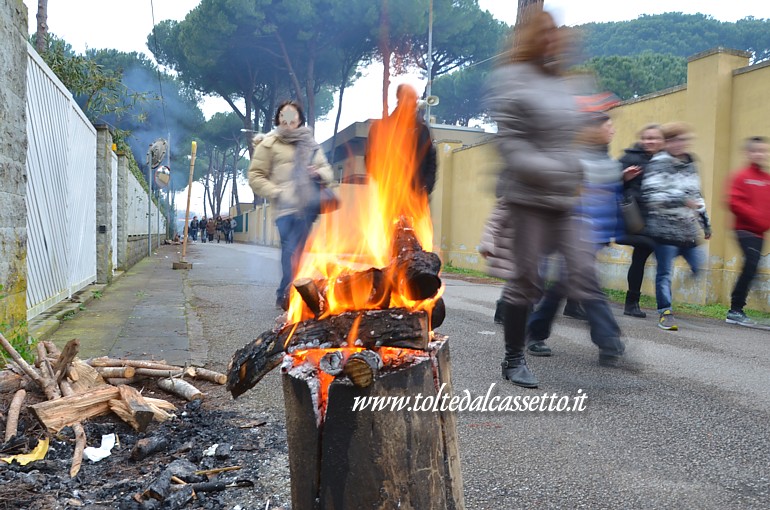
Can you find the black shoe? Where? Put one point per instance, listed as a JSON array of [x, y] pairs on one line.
[[633, 310], [518, 373], [282, 303], [574, 310], [538, 349], [514, 333]]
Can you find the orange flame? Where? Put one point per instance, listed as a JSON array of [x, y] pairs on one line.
[[360, 234]]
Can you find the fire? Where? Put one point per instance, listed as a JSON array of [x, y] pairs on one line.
[[360, 234], [351, 256]]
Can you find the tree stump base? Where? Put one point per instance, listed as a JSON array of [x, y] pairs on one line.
[[365, 459], [181, 265]]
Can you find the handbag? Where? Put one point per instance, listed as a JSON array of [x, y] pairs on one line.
[[632, 215], [325, 199], [328, 201]]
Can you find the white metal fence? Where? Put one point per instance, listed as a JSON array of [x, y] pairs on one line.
[[137, 210], [61, 193], [61, 190]]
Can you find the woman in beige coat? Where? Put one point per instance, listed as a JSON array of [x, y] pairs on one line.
[[286, 168]]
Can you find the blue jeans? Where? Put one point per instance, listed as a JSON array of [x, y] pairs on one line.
[[665, 255], [293, 230]]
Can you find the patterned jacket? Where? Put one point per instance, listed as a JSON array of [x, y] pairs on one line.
[[667, 185]]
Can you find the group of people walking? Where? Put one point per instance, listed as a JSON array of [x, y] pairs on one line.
[[221, 228], [560, 193]]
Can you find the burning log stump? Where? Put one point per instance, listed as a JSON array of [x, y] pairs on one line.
[[366, 459]]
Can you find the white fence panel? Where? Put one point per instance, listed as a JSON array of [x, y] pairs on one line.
[[81, 201], [61, 200], [137, 210]]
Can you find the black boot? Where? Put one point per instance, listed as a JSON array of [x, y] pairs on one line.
[[514, 328], [632, 305], [574, 310], [499, 312]]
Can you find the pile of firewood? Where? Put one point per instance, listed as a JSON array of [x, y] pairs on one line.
[[77, 390]]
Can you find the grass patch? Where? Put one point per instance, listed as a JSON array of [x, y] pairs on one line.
[[712, 311]]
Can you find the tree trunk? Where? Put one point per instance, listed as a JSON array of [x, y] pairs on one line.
[[235, 183], [386, 52], [42, 25], [355, 459], [290, 67]]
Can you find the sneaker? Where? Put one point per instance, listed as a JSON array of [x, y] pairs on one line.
[[667, 321], [738, 317]]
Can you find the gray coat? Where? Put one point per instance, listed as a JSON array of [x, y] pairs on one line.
[[537, 120], [497, 242]]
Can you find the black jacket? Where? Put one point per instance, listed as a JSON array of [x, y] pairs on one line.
[[635, 156]]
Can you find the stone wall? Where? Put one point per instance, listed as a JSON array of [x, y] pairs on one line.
[[136, 248], [103, 205], [13, 173]]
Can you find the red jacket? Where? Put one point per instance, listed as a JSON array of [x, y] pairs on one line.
[[749, 200]]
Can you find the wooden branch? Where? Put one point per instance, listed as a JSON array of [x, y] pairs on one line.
[[12, 422], [62, 363], [112, 362], [65, 411], [181, 388], [11, 382], [117, 372], [132, 408], [80, 436], [31, 372], [84, 377], [152, 372], [117, 381], [51, 348], [50, 386], [207, 375]]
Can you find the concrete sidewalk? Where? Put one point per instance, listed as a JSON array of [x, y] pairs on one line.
[[142, 314]]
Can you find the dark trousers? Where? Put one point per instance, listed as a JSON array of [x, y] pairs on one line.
[[294, 230], [752, 251], [643, 248]]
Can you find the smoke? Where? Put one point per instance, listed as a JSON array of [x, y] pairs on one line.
[[165, 111]]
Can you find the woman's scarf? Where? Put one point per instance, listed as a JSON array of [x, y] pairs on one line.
[[304, 149]]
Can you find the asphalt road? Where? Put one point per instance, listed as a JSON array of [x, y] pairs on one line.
[[685, 425]]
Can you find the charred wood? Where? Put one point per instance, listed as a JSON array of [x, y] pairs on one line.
[[438, 313], [308, 291], [147, 446], [251, 362], [362, 367]]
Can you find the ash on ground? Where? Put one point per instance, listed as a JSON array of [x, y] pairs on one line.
[[255, 443]]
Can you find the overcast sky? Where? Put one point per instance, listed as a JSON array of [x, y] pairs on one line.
[[126, 26]]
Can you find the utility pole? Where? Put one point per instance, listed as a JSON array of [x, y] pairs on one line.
[[430, 59], [525, 8]]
